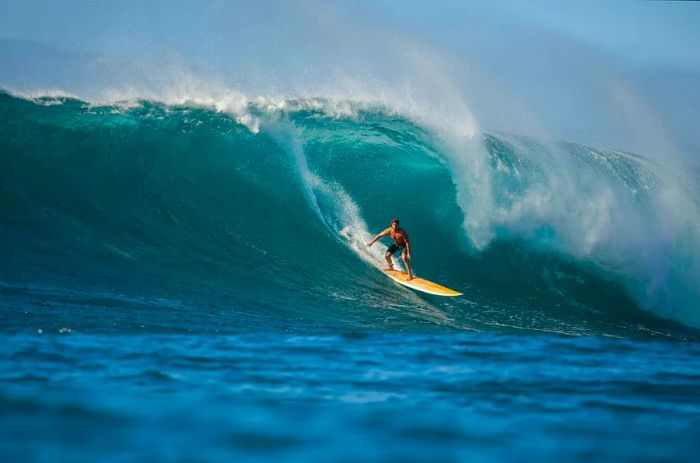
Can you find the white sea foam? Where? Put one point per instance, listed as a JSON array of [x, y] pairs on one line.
[[45, 97], [333, 206], [632, 218]]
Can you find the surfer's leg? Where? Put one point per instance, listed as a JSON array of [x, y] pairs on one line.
[[407, 263], [389, 261]]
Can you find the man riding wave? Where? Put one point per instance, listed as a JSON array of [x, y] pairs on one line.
[[400, 243]]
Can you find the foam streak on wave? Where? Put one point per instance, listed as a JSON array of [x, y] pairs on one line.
[[333, 206]]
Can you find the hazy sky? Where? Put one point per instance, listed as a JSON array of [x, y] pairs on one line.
[[651, 33], [621, 74]]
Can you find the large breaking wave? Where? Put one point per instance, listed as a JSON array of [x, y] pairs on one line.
[[263, 207]]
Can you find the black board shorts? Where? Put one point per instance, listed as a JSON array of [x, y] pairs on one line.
[[395, 247]]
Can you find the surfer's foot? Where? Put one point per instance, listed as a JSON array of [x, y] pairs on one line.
[[388, 267], [410, 277]]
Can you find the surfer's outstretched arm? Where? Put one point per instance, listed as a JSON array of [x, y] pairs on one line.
[[379, 235]]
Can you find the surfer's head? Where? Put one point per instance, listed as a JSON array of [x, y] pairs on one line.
[[394, 223]]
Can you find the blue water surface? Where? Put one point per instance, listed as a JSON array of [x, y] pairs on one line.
[[347, 397]]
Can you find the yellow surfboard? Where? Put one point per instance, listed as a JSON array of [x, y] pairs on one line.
[[421, 284]]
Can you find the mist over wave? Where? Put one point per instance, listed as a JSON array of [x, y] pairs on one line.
[[253, 209]]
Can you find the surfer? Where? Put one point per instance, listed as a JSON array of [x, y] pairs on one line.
[[400, 243]]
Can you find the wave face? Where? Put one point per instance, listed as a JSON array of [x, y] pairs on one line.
[[182, 217]]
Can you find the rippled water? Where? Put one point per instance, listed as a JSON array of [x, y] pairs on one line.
[[347, 397]]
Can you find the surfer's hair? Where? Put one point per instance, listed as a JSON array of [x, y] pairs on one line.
[[395, 220]]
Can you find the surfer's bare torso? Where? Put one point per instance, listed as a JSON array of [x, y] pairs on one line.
[[399, 235]]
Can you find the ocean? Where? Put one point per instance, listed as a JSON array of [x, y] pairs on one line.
[[189, 282]]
